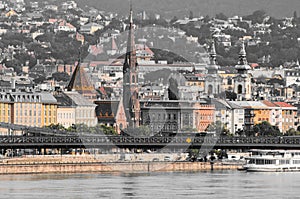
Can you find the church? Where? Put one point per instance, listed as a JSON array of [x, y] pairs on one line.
[[242, 81]]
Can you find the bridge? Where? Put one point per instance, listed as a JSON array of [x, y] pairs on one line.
[[38, 138], [156, 142]]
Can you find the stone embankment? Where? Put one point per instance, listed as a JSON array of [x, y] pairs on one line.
[[75, 164]]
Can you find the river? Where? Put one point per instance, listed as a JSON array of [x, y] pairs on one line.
[[215, 184]]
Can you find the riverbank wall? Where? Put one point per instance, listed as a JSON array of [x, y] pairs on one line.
[[83, 165]]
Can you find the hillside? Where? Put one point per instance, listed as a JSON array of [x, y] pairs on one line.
[[169, 8]]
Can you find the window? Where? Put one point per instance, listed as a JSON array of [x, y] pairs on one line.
[[240, 89]]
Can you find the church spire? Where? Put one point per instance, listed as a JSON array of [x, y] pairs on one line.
[[212, 67], [243, 55], [242, 67], [130, 79], [130, 15], [130, 57], [213, 54]]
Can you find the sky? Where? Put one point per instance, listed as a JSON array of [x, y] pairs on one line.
[[170, 8]]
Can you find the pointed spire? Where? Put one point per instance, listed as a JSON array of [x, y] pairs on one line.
[[130, 57], [242, 66], [213, 53], [212, 67], [130, 16], [243, 55]]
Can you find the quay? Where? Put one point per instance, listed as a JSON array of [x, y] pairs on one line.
[[88, 163]]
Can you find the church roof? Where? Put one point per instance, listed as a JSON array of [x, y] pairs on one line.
[[80, 81]]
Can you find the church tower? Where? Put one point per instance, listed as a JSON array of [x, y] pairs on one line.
[[242, 81], [213, 81], [130, 80]]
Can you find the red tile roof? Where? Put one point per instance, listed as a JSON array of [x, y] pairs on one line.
[[268, 103], [283, 104]]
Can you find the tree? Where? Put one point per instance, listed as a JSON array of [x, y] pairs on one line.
[[232, 96], [291, 132], [266, 129], [257, 16], [61, 76], [56, 127], [174, 19], [295, 16], [191, 15], [140, 131], [107, 130], [173, 90], [218, 128], [221, 16]]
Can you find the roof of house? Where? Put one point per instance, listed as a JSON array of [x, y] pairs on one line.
[[250, 104], [81, 82], [78, 99], [268, 103], [48, 98], [107, 110], [284, 105]]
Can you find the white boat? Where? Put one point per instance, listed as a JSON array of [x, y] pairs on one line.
[[273, 161]]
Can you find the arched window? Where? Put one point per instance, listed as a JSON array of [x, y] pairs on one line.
[[240, 89], [132, 79]]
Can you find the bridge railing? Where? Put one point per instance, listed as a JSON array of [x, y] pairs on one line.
[[119, 140]]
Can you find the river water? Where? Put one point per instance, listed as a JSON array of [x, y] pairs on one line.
[[215, 184]]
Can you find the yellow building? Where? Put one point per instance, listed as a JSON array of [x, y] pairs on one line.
[[195, 80], [28, 108], [228, 83], [5, 108], [261, 114]]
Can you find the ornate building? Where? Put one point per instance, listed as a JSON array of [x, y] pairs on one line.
[[242, 81], [130, 80], [169, 116], [213, 81]]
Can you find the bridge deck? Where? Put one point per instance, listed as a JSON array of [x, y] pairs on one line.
[[148, 142]]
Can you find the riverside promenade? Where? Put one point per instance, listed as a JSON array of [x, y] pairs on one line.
[[91, 163]]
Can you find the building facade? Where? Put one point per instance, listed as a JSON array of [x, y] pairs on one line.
[[73, 108], [28, 108], [176, 115], [111, 113]]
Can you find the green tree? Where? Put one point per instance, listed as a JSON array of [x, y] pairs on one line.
[[230, 95], [218, 128], [291, 132], [266, 129]]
